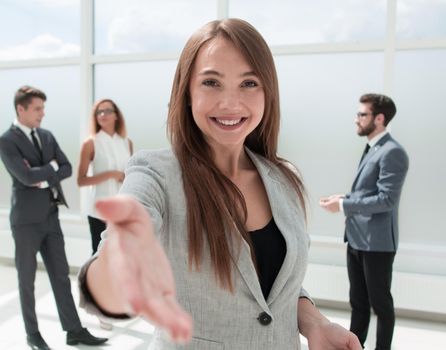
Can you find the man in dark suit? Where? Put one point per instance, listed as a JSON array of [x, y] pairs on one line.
[[371, 211], [37, 166]]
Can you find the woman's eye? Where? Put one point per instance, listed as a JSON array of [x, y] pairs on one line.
[[210, 82], [250, 84]]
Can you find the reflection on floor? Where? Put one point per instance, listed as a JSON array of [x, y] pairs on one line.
[[135, 334]]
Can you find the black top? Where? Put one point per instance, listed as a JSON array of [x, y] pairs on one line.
[[270, 250]]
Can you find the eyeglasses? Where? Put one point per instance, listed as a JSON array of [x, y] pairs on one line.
[[363, 115], [106, 111]]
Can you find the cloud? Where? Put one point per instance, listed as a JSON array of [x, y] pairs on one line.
[[353, 23], [317, 21], [421, 18], [42, 46], [146, 26]]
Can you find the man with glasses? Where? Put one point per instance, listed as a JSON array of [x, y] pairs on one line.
[[371, 224], [37, 166]]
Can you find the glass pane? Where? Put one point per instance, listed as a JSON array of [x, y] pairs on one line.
[[319, 99], [142, 94], [61, 117], [420, 92], [146, 26], [39, 29], [320, 21], [421, 19]]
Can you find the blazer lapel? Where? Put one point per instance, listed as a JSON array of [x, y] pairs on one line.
[[276, 192], [246, 267], [249, 274], [283, 218], [24, 142], [370, 155]]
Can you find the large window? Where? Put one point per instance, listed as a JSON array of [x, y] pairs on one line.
[[327, 53], [39, 29], [289, 22], [420, 93], [148, 26], [142, 94], [319, 99], [421, 19]]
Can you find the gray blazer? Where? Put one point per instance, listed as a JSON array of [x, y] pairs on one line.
[[222, 320], [371, 208], [30, 204]]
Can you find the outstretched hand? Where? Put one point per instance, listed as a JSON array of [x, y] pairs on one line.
[[139, 272]]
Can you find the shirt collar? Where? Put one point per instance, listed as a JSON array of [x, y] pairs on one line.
[[102, 132], [376, 138], [22, 127]]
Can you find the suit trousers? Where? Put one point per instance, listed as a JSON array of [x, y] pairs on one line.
[[47, 238], [370, 276], [97, 226]]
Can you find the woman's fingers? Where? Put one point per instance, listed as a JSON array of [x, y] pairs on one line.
[[163, 311], [140, 268], [122, 209]]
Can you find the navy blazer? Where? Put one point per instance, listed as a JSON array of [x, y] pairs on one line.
[[30, 204], [371, 208]]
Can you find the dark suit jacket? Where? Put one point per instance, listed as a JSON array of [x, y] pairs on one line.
[[371, 208], [30, 204]]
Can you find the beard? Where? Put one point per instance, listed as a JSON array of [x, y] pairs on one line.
[[367, 129]]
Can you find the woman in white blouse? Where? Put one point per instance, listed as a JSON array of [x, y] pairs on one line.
[[106, 152]]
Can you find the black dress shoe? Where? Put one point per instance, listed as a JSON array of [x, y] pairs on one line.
[[36, 342], [83, 336]]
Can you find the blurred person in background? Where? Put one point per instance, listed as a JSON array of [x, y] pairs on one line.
[[104, 156], [371, 219], [37, 166]]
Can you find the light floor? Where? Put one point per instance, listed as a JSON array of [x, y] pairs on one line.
[[135, 334]]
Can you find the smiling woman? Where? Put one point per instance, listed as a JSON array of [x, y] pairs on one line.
[[227, 97], [352, 48], [186, 216]]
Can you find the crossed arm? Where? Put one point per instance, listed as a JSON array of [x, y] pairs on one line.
[[28, 175]]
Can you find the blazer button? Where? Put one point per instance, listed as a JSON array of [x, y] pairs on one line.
[[264, 319]]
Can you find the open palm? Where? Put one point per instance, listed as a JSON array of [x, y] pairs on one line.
[[139, 271]]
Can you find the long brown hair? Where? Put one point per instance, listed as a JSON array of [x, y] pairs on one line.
[[215, 206], [120, 128]]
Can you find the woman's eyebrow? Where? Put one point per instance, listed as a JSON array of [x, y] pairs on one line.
[[214, 72]]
